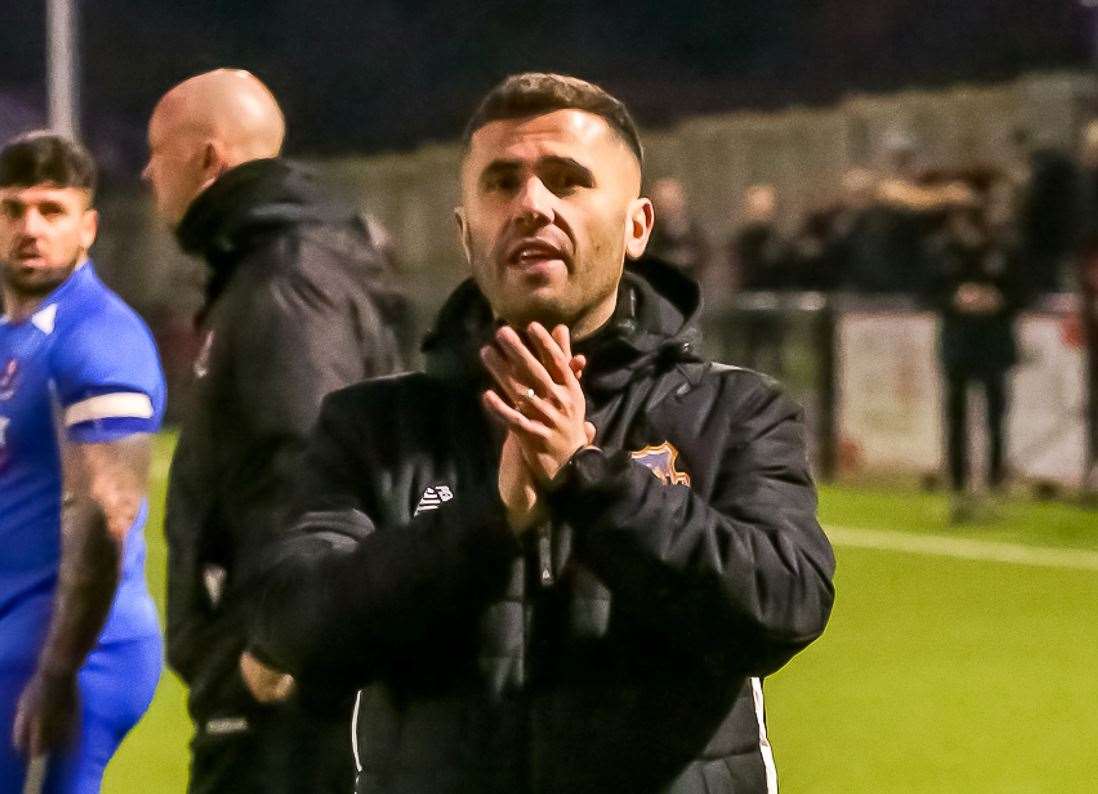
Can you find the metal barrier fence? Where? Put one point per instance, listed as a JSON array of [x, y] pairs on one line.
[[866, 372]]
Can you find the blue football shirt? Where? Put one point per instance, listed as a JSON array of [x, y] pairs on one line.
[[82, 369]]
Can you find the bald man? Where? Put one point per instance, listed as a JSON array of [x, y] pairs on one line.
[[296, 306], [204, 127]]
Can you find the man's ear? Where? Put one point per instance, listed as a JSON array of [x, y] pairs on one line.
[[463, 233], [215, 161], [638, 227], [89, 228]]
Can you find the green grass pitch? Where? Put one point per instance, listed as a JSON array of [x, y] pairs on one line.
[[935, 674]]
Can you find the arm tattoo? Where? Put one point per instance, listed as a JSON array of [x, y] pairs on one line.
[[105, 484]]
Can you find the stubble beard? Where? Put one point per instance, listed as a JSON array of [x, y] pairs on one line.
[[519, 304], [569, 306], [36, 283]]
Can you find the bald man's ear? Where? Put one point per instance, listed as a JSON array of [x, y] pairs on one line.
[[463, 233], [215, 161], [638, 227]]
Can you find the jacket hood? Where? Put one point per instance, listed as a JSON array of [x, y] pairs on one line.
[[654, 325], [255, 196], [243, 206]]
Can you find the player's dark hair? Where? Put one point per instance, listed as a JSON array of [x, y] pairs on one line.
[[46, 158], [535, 93]]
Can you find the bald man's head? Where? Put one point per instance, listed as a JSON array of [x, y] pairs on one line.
[[204, 126]]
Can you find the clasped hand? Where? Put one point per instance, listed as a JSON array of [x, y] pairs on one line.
[[538, 398]]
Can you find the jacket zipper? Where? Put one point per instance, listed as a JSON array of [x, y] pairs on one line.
[[545, 556]]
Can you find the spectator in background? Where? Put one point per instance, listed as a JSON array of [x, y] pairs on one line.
[[908, 208], [296, 306], [759, 256], [850, 238], [1087, 195], [1087, 259], [899, 220], [677, 238], [975, 287], [1052, 208], [757, 252], [813, 263], [1001, 212]]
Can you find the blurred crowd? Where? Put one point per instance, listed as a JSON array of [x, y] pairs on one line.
[[887, 231], [975, 245]]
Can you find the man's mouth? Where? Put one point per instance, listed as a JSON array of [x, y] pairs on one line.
[[27, 254], [528, 253]]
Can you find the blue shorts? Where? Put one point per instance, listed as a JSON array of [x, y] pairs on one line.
[[117, 683]]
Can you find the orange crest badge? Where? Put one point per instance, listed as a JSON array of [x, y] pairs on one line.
[[660, 460]]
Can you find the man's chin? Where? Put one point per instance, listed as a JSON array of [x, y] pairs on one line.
[[547, 311], [36, 282]]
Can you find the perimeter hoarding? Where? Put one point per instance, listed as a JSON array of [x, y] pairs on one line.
[[889, 400]]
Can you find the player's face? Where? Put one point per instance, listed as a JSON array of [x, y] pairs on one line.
[[174, 170], [550, 208], [45, 231]]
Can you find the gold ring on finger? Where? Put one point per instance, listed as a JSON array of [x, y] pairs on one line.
[[524, 399]]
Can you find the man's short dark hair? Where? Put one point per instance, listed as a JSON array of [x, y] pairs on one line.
[[536, 93], [46, 158]]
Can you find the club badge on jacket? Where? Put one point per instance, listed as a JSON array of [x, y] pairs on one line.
[[662, 460]]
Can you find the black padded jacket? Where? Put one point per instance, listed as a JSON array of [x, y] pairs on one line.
[[297, 306], [621, 647]]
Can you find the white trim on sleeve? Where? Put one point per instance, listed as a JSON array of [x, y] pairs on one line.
[[121, 405], [764, 741], [354, 732]]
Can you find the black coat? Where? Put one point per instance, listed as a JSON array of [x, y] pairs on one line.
[[761, 258], [297, 308], [619, 648], [974, 345]]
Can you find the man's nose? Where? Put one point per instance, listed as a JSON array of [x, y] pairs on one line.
[[32, 223], [534, 203]]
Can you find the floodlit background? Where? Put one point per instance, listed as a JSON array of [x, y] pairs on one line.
[[805, 159]]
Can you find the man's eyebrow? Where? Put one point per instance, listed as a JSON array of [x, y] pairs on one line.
[[504, 166], [566, 162], [500, 166]]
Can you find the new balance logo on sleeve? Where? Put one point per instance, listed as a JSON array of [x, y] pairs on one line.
[[432, 498]]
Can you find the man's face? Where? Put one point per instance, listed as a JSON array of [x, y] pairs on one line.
[[174, 170], [760, 204], [550, 208], [45, 231], [669, 198]]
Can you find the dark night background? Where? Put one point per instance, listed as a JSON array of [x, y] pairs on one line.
[[383, 74]]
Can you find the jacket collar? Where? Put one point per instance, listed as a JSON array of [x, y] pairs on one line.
[[654, 324], [260, 194], [241, 208]]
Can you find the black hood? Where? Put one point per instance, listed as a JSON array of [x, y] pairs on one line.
[[243, 206], [654, 325]]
